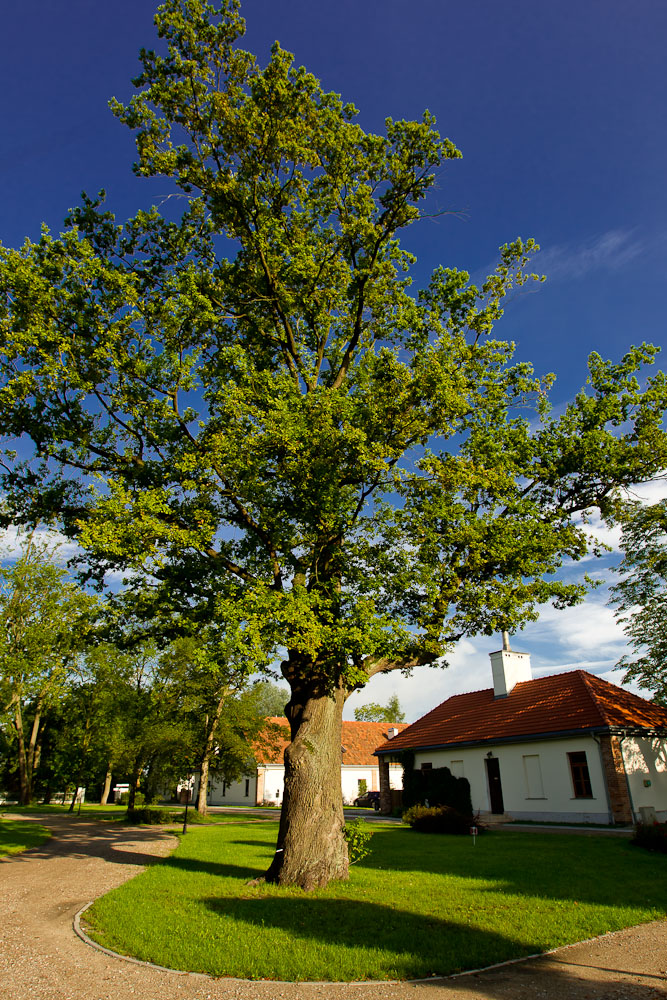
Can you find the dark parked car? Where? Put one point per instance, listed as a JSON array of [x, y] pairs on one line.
[[368, 799]]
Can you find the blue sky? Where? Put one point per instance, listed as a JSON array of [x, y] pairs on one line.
[[559, 110]]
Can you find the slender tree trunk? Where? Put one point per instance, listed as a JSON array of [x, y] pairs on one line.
[[33, 745], [201, 804], [212, 725], [25, 775], [107, 787], [311, 849], [134, 784]]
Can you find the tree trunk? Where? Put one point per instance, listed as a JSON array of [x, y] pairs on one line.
[[107, 787], [311, 849], [201, 806], [134, 785], [25, 774], [211, 732]]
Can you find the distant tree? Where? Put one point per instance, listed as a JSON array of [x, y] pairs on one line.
[[641, 596], [372, 712], [44, 625], [269, 699]]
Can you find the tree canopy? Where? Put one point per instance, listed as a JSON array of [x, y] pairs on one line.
[[248, 409], [373, 712], [641, 596], [44, 624]]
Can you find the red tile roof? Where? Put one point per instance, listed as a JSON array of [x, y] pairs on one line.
[[561, 703], [359, 739]]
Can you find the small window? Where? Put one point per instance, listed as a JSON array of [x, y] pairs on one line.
[[533, 775], [247, 787], [581, 779], [427, 766]]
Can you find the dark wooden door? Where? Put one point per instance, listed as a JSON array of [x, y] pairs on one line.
[[495, 786]]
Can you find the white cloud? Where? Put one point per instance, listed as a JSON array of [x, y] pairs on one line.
[[12, 541], [608, 251]]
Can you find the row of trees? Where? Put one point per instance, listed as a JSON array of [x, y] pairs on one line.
[[78, 711]]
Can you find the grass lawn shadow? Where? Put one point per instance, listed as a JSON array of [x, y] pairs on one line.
[[528, 865], [219, 869], [415, 945]]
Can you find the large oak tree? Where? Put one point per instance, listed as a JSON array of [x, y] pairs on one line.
[[248, 407]]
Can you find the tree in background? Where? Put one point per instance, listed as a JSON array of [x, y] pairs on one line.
[[44, 624], [641, 596], [372, 712], [222, 716], [285, 441]]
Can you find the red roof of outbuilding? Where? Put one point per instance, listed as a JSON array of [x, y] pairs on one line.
[[359, 740], [561, 703]]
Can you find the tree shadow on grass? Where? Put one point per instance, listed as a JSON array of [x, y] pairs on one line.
[[381, 941], [197, 865], [598, 870]]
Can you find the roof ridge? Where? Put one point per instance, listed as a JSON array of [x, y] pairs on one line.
[[586, 678]]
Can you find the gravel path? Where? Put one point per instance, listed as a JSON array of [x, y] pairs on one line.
[[42, 959]]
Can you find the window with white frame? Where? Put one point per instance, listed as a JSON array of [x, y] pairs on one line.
[[533, 775]]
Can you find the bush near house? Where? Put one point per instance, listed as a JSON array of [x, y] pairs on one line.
[[652, 836], [435, 786], [440, 819]]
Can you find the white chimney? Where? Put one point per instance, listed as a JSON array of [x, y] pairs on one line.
[[509, 668], [392, 732]]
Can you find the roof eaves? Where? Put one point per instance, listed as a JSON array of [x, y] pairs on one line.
[[491, 741]]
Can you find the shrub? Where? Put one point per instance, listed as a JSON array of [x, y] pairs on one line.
[[652, 836], [151, 816], [358, 835], [440, 819], [125, 798], [436, 786]]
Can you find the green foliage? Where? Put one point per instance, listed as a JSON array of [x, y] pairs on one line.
[[652, 836], [641, 596], [138, 800], [150, 815], [287, 440], [435, 786], [357, 835], [372, 712], [440, 819], [45, 622]]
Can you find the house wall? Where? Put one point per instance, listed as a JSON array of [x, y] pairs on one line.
[[535, 776], [268, 783], [645, 762]]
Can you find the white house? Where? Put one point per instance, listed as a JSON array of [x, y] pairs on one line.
[[566, 748], [359, 767]]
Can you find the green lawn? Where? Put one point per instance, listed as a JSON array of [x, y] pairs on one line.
[[89, 810], [419, 905], [17, 835]]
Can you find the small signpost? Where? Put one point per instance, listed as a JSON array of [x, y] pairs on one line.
[[473, 832]]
